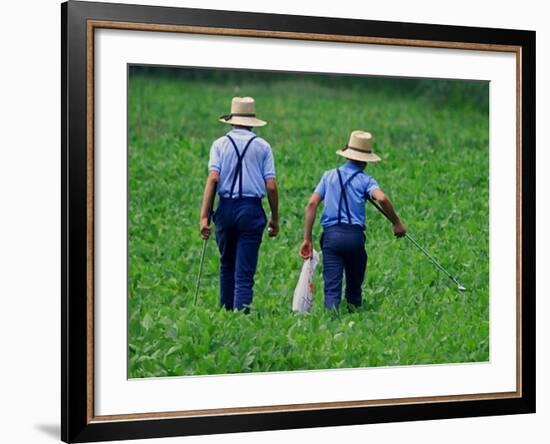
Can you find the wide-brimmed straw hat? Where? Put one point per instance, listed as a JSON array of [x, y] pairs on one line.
[[359, 148], [243, 113]]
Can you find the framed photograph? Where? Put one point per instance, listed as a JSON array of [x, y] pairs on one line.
[[276, 221]]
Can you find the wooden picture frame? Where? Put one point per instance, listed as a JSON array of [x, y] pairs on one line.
[[79, 22]]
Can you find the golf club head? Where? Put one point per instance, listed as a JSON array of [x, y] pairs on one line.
[[461, 287]]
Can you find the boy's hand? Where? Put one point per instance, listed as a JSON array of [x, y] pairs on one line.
[[273, 228], [204, 228], [306, 249], [399, 229]]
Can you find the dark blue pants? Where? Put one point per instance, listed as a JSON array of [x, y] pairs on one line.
[[343, 247], [239, 228]]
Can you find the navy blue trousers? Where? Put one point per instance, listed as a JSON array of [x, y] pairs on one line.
[[343, 247], [239, 228]]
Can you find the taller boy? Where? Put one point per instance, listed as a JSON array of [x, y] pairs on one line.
[[242, 168], [345, 191]]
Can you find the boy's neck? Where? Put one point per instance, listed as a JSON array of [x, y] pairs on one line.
[[358, 164], [240, 127]]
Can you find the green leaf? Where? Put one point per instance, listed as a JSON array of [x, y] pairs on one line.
[[147, 322]]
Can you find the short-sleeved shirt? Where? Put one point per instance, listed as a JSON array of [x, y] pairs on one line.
[[258, 164], [357, 190]]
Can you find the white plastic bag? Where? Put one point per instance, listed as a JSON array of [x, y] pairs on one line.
[[303, 294]]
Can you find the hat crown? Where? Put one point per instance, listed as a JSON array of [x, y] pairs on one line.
[[243, 105], [361, 140]]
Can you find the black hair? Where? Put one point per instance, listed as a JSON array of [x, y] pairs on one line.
[[360, 163]]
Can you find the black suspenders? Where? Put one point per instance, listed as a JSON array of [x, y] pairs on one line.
[[343, 195], [239, 167]]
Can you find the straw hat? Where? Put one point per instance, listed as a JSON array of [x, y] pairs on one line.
[[359, 148], [243, 112]]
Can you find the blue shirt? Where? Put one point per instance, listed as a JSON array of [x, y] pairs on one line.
[[357, 190], [258, 164]]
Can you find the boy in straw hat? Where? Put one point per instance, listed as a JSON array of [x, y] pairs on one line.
[[242, 168], [345, 191]]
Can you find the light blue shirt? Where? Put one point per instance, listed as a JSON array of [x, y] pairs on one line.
[[357, 190], [258, 163]]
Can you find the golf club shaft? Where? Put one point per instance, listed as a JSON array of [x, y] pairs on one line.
[[417, 245], [200, 271], [431, 258], [201, 265]]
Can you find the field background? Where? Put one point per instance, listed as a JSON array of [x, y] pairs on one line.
[[433, 138]]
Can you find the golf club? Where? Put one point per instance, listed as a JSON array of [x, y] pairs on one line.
[[201, 265], [423, 250]]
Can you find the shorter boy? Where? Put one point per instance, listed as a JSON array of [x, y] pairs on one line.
[[345, 191]]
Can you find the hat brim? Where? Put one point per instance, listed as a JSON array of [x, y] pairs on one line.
[[359, 156], [244, 121]]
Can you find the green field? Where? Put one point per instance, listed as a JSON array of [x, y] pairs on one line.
[[433, 138]]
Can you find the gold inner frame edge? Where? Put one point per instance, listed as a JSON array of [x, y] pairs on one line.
[[234, 32]]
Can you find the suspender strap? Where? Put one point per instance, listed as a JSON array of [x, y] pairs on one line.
[[343, 195], [239, 167]]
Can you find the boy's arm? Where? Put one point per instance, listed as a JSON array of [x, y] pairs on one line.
[[398, 228], [207, 200], [306, 249], [273, 198]]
